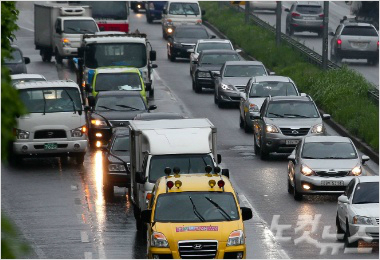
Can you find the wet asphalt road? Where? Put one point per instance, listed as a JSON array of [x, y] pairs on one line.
[[60, 209]]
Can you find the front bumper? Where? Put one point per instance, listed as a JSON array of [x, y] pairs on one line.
[[120, 179], [181, 52], [316, 187], [69, 52], [205, 82], [367, 233], [105, 133], [229, 96], [30, 148], [277, 142], [357, 54]]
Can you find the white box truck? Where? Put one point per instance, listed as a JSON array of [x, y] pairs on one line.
[[188, 144], [59, 29]]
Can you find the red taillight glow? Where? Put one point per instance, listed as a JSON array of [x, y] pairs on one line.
[[295, 14], [339, 41], [321, 15]]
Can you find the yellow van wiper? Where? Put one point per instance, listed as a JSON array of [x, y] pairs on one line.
[[225, 214], [196, 211]]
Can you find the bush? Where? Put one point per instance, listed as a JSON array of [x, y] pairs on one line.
[[342, 93]]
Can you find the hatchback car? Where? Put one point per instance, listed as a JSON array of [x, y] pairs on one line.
[[210, 61], [256, 91], [353, 40], [18, 78], [358, 211], [232, 79], [116, 159], [184, 39], [304, 16], [16, 64], [283, 122], [113, 109], [323, 165]]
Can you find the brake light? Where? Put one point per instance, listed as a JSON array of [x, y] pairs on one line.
[[295, 14], [322, 15], [339, 42]]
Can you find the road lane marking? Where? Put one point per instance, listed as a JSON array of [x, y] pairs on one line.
[[88, 255], [74, 187], [84, 237], [281, 252]]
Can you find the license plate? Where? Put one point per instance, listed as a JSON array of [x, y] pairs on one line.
[[50, 146], [291, 142], [332, 183], [309, 18], [359, 44]]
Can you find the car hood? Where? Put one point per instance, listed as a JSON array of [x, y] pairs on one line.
[[113, 159], [366, 210], [293, 122], [239, 81], [117, 115], [257, 101], [186, 40], [331, 164]]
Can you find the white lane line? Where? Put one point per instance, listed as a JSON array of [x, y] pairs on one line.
[[281, 252], [87, 255], [84, 237], [22, 27]]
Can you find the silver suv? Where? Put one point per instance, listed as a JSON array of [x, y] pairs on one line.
[[323, 165], [355, 40], [304, 16], [283, 122]]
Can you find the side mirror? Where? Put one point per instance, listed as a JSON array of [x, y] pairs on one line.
[[303, 95], [212, 37], [191, 50], [331, 34], [140, 178], [226, 172], [292, 158], [238, 50], [88, 88], [148, 86], [215, 74], [146, 215], [246, 213], [326, 116], [152, 107], [154, 66], [26, 60], [203, 12], [365, 158], [164, 11], [152, 55], [91, 101], [219, 159], [287, 10], [343, 199], [272, 73], [256, 116]]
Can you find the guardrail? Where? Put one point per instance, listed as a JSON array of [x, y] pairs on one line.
[[309, 54]]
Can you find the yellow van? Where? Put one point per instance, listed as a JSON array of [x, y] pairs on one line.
[[195, 216], [118, 78]]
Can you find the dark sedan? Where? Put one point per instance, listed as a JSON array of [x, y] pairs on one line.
[[116, 162], [113, 109], [16, 63], [184, 39], [210, 61]]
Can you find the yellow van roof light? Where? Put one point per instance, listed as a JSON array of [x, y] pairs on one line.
[[212, 183], [178, 184]]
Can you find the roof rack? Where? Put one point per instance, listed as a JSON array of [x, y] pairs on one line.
[[136, 34]]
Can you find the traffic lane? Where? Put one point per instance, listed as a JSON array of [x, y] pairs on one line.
[[237, 150]]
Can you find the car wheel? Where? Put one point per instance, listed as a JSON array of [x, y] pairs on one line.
[[320, 34], [108, 191], [221, 104], [297, 196], [255, 146], [197, 87], [291, 31], [151, 93], [58, 58], [347, 236], [246, 127], [46, 56], [79, 158], [290, 188], [339, 230], [149, 20], [241, 122], [172, 57], [216, 100]]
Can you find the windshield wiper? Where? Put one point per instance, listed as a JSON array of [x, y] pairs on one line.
[[309, 157], [71, 101], [125, 106], [296, 115], [106, 108], [278, 115], [80, 30], [365, 202], [196, 211], [332, 157], [225, 214]]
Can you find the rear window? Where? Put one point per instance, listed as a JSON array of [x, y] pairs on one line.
[[309, 9], [359, 31]]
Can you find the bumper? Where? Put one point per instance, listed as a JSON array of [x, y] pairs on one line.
[[316, 187], [357, 54], [105, 133], [154, 14], [181, 52], [36, 148], [313, 26], [280, 143], [229, 96], [120, 179], [69, 52], [365, 232], [205, 82]]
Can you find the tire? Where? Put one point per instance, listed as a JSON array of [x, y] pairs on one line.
[[197, 88], [46, 56], [172, 58], [216, 100], [241, 122], [137, 214], [297, 196], [79, 158], [151, 93], [149, 20], [339, 229], [263, 154], [221, 104], [246, 127], [289, 187], [108, 191], [347, 235], [58, 58], [256, 148], [164, 35]]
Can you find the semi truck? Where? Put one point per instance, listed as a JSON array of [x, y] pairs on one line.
[[59, 28], [185, 145]]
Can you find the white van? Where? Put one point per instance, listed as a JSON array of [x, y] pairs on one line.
[[55, 125], [179, 13]]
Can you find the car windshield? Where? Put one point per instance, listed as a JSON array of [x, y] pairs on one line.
[[51, 100], [359, 31], [194, 163], [79, 26], [197, 33], [309, 9], [15, 81], [120, 145], [366, 192], [119, 103], [292, 109], [115, 54], [214, 46], [184, 9], [244, 71], [214, 59], [16, 57], [272, 88], [328, 150], [117, 81], [115, 10], [196, 207]]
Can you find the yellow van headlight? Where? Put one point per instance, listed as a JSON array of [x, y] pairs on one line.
[[236, 238], [158, 240]]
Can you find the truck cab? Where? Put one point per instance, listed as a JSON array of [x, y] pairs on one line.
[[195, 216]]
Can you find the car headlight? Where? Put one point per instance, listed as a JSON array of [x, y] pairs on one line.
[[158, 240], [202, 74], [227, 87], [97, 122], [66, 42], [236, 238], [254, 108], [306, 170], [116, 168], [271, 129], [356, 171], [21, 134], [78, 132], [362, 220], [318, 129]]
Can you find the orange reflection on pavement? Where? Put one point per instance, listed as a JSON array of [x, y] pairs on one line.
[[99, 178]]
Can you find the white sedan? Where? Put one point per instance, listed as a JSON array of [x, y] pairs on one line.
[[17, 78], [358, 211]]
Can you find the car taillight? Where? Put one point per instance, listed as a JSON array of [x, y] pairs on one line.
[[295, 14], [377, 44], [339, 42], [321, 15]]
